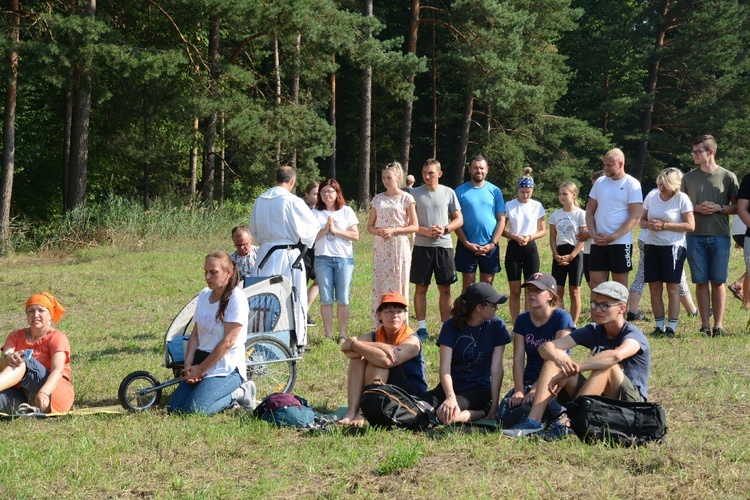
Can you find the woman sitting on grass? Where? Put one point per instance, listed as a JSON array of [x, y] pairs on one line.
[[214, 371], [472, 344], [392, 354], [543, 323], [40, 377]]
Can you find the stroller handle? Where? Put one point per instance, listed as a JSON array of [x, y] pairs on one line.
[[296, 265]]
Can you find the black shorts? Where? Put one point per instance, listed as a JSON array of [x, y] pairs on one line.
[[397, 376], [467, 262], [615, 259], [309, 261], [739, 239], [477, 398], [586, 273], [660, 264], [573, 272], [518, 259], [426, 260]]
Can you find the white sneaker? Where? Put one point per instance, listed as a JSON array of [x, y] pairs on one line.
[[247, 399]]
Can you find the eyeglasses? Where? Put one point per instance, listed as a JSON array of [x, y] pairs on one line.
[[242, 245], [490, 304], [392, 310], [602, 306], [696, 152], [327, 191]]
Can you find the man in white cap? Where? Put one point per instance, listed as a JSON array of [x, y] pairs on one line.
[[619, 364]]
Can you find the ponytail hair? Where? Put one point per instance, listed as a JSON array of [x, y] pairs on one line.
[[573, 188], [228, 265], [460, 311]]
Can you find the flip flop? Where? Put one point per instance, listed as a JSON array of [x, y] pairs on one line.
[[735, 292]]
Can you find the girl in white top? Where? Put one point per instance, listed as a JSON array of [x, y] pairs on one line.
[[525, 224], [668, 215], [567, 263], [214, 374], [334, 254]]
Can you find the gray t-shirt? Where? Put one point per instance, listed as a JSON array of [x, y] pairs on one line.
[[720, 186], [637, 367], [434, 209]]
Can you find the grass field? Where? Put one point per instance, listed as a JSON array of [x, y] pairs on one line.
[[121, 298]]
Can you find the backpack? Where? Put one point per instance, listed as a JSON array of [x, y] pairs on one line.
[[615, 422], [387, 405], [285, 410]]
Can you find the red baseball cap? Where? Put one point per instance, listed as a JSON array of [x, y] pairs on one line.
[[392, 298]]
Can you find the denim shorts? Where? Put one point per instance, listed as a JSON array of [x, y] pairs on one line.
[[334, 277], [708, 258]]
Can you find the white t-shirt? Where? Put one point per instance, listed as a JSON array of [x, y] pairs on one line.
[[668, 211], [567, 225], [738, 227], [613, 198], [211, 331], [330, 245], [523, 217]]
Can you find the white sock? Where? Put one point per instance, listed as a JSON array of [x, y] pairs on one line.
[[422, 323]]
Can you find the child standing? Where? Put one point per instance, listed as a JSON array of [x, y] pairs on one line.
[[525, 224], [567, 264]]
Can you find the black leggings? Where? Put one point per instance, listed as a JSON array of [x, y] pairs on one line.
[[518, 258]]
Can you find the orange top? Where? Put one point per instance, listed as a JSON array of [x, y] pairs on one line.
[[404, 333]]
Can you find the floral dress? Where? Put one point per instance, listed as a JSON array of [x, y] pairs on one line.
[[392, 256]]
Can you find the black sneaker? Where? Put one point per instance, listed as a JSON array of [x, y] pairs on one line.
[[705, 331], [658, 332], [310, 321], [668, 332], [718, 332]]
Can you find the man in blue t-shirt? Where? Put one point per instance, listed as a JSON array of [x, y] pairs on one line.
[[483, 210], [619, 364]]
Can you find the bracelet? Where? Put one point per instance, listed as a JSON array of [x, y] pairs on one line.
[[48, 396]]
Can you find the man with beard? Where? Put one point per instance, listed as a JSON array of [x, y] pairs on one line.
[[483, 210]]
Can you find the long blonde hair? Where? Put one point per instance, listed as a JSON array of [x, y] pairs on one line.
[[397, 169], [573, 188]]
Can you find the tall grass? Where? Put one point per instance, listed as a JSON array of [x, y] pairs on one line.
[[124, 222]]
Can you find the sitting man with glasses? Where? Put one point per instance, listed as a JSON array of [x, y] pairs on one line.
[[619, 365], [245, 253], [392, 353]]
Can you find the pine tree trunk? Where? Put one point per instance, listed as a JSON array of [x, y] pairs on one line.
[[194, 158], [409, 103], [79, 133], [332, 120], [648, 113], [277, 73], [9, 127], [463, 142], [295, 88], [209, 161], [365, 127]]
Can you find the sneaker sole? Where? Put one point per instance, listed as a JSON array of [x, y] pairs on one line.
[[517, 433]]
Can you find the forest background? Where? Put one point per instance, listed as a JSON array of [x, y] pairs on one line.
[[193, 103]]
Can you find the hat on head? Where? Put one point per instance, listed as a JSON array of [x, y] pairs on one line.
[[46, 299], [483, 292], [392, 298], [613, 290], [542, 281]]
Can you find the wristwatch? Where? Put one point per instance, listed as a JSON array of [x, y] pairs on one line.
[[446, 230]]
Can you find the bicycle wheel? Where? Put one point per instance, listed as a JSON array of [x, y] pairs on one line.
[[269, 365], [136, 391]]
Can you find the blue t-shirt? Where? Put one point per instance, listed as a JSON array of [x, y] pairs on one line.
[[471, 363], [637, 367], [479, 208], [534, 336], [413, 370]]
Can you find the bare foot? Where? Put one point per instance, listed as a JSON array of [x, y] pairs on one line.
[[357, 422]]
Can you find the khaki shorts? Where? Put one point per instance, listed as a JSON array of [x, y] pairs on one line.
[[628, 392]]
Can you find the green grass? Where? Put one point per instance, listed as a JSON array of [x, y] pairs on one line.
[[122, 297]]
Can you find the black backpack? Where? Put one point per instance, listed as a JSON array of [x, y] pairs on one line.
[[386, 405], [598, 418]]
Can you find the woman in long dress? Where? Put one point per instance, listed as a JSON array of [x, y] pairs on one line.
[[393, 217]]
